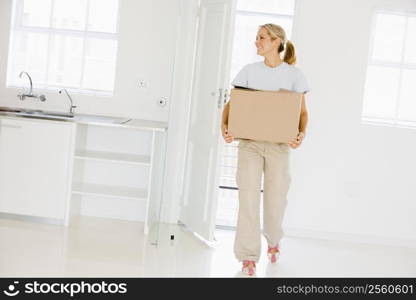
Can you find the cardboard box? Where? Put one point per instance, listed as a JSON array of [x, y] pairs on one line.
[[264, 115]]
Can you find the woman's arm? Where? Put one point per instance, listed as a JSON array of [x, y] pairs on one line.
[[224, 124], [302, 125], [303, 116], [225, 113]]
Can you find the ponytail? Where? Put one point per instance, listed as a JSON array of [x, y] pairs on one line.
[[290, 54]]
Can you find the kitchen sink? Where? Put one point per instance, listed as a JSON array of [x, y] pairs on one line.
[[34, 113], [54, 115], [46, 114], [9, 109]]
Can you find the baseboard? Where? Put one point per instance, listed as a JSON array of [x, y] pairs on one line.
[[349, 237]]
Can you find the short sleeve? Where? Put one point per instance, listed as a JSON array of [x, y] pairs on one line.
[[301, 84], [241, 79]]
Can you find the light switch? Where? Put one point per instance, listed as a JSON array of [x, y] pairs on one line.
[[162, 101]]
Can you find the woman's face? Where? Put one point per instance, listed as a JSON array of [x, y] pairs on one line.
[[264, 43]]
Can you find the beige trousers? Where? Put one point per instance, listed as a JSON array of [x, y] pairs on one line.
[[254, 158]]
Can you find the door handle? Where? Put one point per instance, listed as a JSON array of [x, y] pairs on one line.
[[220, 95], [226, 95]]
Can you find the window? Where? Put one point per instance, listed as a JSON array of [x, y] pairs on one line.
[[64, 43], [389, 95], [250, 15]]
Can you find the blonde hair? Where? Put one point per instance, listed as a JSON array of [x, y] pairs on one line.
[[276, 31]]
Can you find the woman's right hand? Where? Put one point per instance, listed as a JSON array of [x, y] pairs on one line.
[[228, 137]]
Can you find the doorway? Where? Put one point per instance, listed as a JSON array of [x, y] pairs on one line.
[[248, 16]]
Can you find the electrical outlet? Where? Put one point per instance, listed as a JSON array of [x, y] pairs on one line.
[[143, 84]]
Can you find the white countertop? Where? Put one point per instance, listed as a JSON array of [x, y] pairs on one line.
[[96, 120]]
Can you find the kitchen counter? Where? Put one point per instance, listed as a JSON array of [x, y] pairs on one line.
[[84, 119], [54, 166]]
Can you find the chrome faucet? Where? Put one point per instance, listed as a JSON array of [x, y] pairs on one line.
[[30, 94], [71, 109]]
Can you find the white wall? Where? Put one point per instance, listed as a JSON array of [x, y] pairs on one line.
[[348, 178], [147, 35]]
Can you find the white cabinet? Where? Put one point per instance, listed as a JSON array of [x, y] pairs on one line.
[[118, 171], [35, 167], [58, 169]]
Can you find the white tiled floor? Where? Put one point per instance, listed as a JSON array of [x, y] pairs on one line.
[[95, 247]]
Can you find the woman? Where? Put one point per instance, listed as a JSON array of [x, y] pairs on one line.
[[256, 157]]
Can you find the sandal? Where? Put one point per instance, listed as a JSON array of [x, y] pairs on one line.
[[273, 253], [249, 267]]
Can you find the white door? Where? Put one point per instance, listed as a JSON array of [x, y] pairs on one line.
[[211, 79]]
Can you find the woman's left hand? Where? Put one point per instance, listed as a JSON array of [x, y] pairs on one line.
[[297, 141]]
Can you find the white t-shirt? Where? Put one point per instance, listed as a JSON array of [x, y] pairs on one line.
[[259, 76]]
